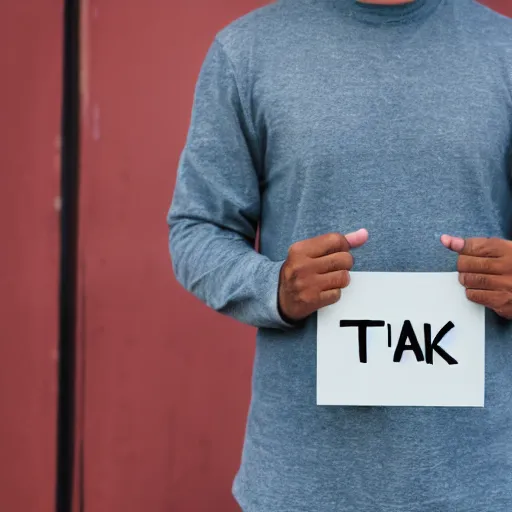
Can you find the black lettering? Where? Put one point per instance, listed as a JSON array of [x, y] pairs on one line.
[[407, 333], [433, 346], [362, 326], [389, 335]]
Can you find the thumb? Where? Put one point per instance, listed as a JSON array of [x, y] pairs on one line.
[[453, 243], [357, 238]]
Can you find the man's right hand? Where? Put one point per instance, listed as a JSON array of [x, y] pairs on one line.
[[315, 272]]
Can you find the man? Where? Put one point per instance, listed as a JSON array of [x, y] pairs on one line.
[[313, 119]]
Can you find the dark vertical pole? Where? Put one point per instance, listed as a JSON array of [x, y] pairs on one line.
[[68, 264]]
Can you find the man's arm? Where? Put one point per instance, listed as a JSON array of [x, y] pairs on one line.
[[216, 205]]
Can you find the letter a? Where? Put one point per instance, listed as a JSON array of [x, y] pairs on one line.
[[407, 333]]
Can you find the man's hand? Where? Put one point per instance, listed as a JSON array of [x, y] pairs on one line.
[[315, 272], [485, 270]]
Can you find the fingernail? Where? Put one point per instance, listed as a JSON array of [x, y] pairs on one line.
[[457, 244], [445, 240], [452, 242]]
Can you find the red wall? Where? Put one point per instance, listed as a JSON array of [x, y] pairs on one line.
[[30, 104], [166, 380], [502, 6]]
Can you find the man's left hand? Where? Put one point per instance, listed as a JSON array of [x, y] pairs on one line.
[[485, 270]]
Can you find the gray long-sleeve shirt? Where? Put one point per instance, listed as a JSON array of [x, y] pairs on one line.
[[314, 116]]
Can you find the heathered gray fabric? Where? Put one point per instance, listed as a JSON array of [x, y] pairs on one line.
[[314, 116]]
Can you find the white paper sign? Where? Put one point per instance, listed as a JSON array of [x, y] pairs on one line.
[[401, 339]]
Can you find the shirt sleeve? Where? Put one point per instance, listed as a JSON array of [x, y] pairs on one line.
[[215, 208]]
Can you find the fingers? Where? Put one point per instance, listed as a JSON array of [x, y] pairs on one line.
[[330, 243], [495, 300], [478, 247], [485, 247], [315, 271], [453, 243], [357, 239], [320, 246], [479, 257], [484, 282], [476, 265], [334, 262], [485, 270], [333, 280], [329, 297]]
